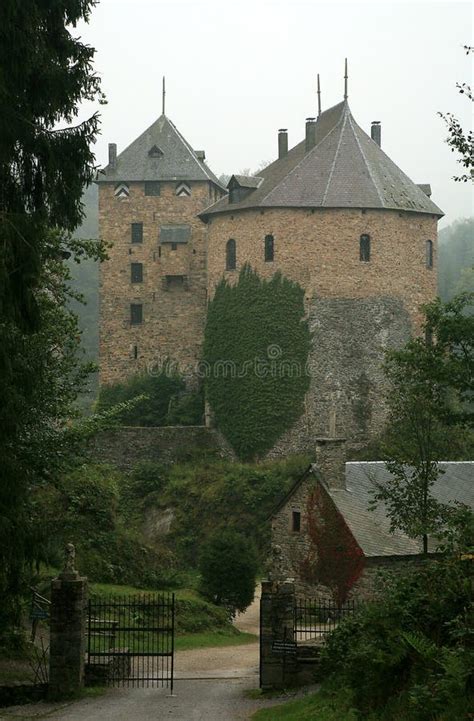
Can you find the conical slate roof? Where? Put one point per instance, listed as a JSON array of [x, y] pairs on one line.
[[344, 169], [160, 153]]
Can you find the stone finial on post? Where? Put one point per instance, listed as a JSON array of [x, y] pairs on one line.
[[67, 629]]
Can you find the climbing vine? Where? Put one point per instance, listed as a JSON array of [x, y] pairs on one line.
[[256, 349], [334, 558]]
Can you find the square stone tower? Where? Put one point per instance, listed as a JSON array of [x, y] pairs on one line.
[[153, 286]]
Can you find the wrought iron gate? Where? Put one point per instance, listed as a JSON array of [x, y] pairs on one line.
[[130, 640]]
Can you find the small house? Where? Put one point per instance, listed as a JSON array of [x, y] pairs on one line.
[[330, 543]]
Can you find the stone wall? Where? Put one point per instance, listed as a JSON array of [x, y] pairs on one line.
[[126, 446], [173, 313], [319, 248], [356, 309]]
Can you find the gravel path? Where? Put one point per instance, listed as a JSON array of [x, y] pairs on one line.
[[212, 684]]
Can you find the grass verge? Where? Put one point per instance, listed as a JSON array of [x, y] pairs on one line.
[[323, 706]]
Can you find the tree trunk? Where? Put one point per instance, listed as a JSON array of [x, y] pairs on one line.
[[425, 543]]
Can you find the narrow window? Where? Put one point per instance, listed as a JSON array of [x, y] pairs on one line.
[[296, 522], [230, 255], [136, 313], [429, 253], [137, 232], [152, 187], [269, 248], [364, 248], [428, 337], [136, 273], [174, 246], [135, 352]]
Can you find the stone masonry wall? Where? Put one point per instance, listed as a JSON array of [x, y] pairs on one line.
[[356, 309], [173, 317], [126, 446]]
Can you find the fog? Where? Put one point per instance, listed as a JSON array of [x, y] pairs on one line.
[[238, 71]]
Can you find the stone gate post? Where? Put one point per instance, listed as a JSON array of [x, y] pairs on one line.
[[67, 629], [278, 664]]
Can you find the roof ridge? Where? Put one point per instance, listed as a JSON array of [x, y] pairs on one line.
[[188, 147], [369, 170], [331, 172], [306, 155]]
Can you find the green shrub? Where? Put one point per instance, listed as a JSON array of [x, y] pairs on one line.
[[256, 347], [228, 566], [165, 400], [409, 652]]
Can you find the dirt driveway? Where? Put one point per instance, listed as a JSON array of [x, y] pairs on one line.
[[212, 684]]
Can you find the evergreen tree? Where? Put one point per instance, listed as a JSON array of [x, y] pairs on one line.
[[45, 160]]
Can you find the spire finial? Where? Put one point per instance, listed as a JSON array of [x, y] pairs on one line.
[[163, 95], [345, 81], [319, 98]]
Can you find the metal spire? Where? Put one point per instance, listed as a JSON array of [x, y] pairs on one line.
[[319, 98], [345, 81], [163, 95]]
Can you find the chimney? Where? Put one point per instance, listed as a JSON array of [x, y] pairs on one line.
[[310, 133], [113, 155], [200, 155], [376, 132], [282, 142], [331, 461]]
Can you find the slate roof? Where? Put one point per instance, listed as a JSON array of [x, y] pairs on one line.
[[371, 529], [178, 160], [344, 169]]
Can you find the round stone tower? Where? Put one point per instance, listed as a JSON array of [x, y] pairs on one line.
[[336, 215]]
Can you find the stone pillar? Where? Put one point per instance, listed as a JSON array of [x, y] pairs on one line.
[[278, 663], [67, 630]]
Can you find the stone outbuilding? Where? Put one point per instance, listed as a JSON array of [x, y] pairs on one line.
[[331, 543]]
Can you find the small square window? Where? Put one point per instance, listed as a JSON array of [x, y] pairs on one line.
[[174, 246], [137, 232], [296, 521], [136, 273], [152, 187], [136, 313]]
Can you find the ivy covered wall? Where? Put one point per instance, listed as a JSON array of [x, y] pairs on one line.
[[256, 348]]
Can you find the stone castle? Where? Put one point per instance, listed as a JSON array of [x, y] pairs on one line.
[[333, 213]]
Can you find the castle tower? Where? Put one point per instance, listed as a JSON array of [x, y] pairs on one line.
[[153, 287], [335, 214]]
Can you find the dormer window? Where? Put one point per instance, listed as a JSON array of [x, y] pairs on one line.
[[240, 186], [155, 152]]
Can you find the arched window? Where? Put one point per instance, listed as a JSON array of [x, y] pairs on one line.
[[230, 255], [364, 248], [429, 253], [269, 248]]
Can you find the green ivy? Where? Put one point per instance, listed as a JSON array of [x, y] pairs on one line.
[[256, 348]]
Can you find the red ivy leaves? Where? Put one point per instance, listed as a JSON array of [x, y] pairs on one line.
[[334, 558]]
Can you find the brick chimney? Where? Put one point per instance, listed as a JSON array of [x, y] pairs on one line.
[[331, 461], [376, 132], [310, 133], [282, 142], [113, 155]]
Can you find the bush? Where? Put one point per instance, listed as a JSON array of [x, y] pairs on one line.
[[228, 568], [165, 400], [412, 646]]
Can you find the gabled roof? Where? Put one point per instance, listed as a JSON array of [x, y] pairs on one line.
[[160, 153], [344, 169], [244, 181], [371, 529]]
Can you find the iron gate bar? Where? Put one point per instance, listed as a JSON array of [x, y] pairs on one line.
[[133, 634]]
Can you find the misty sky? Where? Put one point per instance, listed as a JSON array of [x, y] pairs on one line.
[[237, 70]]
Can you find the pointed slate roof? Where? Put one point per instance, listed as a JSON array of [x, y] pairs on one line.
[[160, 153], [344, 169]]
